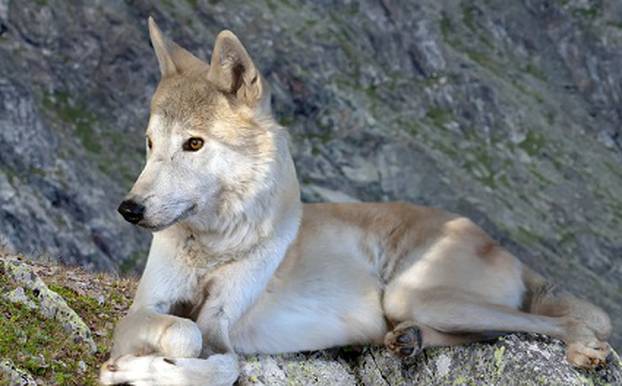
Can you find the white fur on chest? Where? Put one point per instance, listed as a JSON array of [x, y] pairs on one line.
[[170, 275]]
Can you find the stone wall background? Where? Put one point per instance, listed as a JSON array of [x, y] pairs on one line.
[[507, 112]]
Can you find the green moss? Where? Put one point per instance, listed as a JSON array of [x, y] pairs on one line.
[[483, 60], [286, 121], [170, 4], [541, 178], [34, 171], [589, 13], [585, 381], [439, 116], [288, 3], [479, 162], [193, 3], [446, 28], [75, 114], [40, 345], [325, 134], [526, 237], [468, 16], [550, 117], [538, 97], [413, 127], [271, 5], [613, 168], [533, 143], [499, 362], [615, 24], [348, 49], [462, 380], [9, 172], [98, 317], [536, 72], [121, 152]]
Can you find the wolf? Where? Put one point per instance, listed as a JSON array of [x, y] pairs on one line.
[[239, 265]]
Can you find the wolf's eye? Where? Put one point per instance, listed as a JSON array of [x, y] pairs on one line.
[[149, 143], [193, 144]]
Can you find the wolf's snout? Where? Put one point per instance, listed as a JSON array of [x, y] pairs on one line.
[[131, 211]]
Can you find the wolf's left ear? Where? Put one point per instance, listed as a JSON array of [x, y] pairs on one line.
[[233, 71], [172, 58]]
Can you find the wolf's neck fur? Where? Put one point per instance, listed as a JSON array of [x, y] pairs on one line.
[[252, 215]]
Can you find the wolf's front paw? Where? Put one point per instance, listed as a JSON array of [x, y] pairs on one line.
[[182, 339], [107, 372], [141, 370], [587, 355], [404, 341]]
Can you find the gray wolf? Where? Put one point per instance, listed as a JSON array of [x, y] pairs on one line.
[[238, 265]]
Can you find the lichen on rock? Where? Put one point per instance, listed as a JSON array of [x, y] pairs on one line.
[[14, 376], [56, 322], [38, 348], [49, 303], [515, 359]]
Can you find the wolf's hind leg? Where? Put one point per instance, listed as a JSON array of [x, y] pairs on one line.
[[451, 311], [442, 316], [586, 326]]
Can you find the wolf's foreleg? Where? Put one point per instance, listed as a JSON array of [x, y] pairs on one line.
[[231, 297], [235, 287], [143, 334], [145, 331]]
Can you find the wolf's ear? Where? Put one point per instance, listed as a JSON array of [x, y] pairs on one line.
[[233, 71], [172, 58]]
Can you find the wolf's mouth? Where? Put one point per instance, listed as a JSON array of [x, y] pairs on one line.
[[158, 227]]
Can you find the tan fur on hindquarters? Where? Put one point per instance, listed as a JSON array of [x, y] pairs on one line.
[[257, 271]]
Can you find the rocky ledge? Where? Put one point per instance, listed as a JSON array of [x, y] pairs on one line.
[[57, 324]]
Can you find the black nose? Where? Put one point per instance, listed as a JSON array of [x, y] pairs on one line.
[[131, 211]]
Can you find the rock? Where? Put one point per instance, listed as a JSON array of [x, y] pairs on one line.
[[19, 296], [507, 112], [515, 359], [82, 366], [15, 376], [49, 304]]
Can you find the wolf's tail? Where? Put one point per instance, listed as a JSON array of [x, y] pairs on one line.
[[543, 297]]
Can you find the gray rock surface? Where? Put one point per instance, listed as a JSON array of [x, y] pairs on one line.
[[516, 359], [15, 376], [511, 360], [45, 301], [508, 112]]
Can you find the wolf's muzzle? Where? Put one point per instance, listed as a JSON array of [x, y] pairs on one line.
[[131, 211]]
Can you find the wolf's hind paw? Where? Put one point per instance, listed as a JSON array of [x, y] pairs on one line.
[[587, 355], [404, 342]]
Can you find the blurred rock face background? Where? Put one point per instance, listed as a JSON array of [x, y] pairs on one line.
[[507, 112]]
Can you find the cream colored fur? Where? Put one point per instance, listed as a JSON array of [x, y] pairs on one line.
[[238, 265]]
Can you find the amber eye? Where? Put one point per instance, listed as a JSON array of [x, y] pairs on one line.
[[149, 143], [193, 144]]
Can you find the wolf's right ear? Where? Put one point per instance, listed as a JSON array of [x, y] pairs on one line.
[[234, 72], [172, 58]]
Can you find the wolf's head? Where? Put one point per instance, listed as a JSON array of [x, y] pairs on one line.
[[213, 148]]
